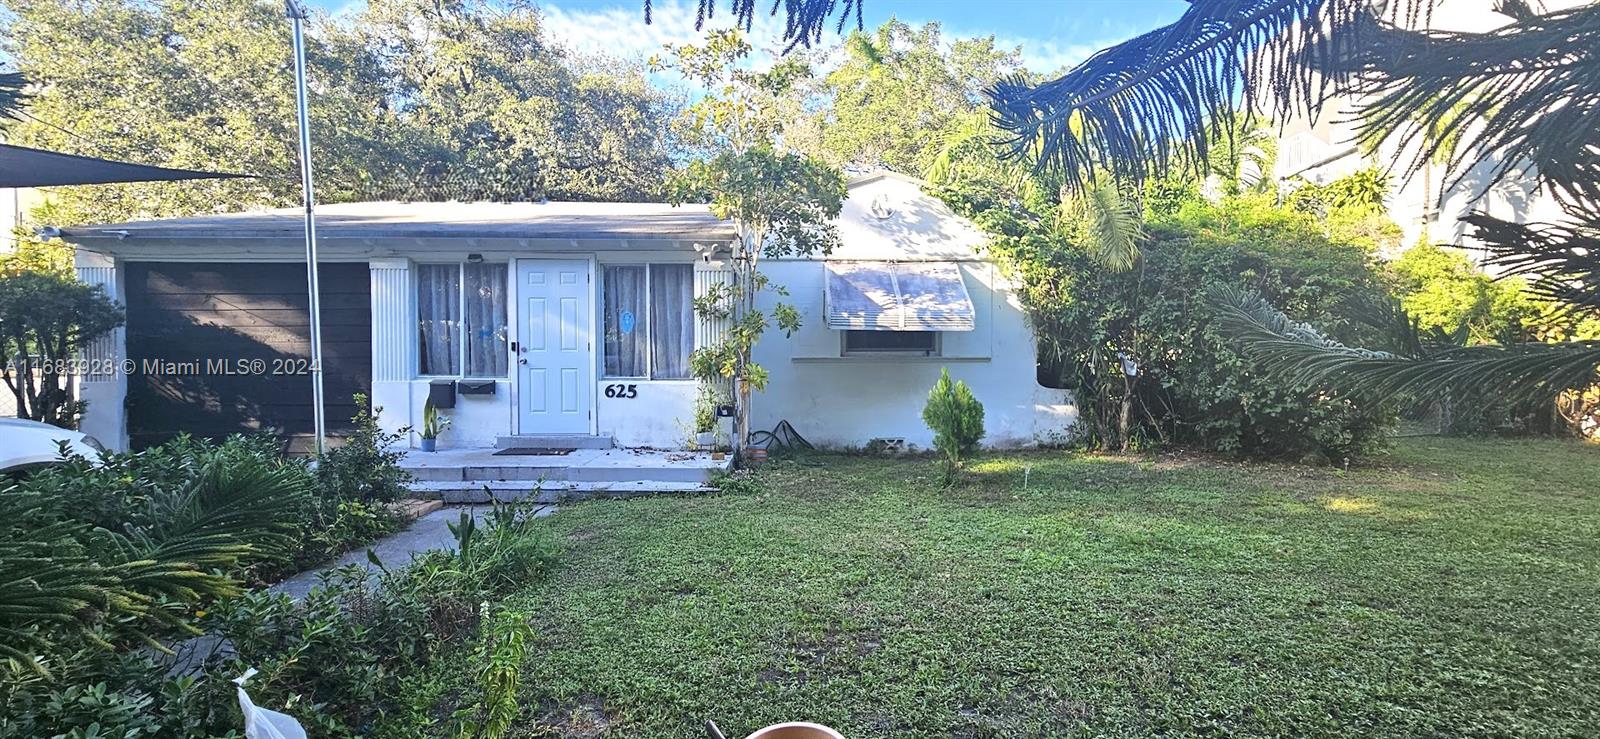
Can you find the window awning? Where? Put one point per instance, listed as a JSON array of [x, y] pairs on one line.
[[897, 296]]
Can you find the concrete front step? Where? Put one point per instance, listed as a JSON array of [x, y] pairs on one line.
[[470, 467], [559, 475], [549, 492], [555, 441]]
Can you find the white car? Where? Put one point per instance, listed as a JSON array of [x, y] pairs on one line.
[[25, 444]]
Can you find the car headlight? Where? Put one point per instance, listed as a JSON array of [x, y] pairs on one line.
[[93, 443]]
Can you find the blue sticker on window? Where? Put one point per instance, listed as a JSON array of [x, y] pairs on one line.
[[625, 322]]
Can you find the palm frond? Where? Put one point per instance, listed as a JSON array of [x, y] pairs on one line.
[[1561, 260], [1112, 224], [1302, 355], [1135, 107], [804, 21], [1519, 95], [964, 131], [12, 96]]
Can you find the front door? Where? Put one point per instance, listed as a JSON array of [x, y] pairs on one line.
[[555, 347]]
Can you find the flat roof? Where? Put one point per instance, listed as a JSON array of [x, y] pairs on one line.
[[396, 220]]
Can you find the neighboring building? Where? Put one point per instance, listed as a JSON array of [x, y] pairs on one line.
[[548, 320], [1426, 202]]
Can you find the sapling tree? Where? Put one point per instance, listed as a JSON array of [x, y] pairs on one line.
[[956, 418], [781, 203]]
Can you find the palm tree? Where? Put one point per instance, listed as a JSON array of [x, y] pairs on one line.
[[1517, 95]]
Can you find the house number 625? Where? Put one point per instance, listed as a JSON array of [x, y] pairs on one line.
[[622, 391]]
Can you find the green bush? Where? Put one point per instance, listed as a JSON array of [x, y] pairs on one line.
[[366, 467], [340, 659], [956, 418], [1189, 386], [101, 560]]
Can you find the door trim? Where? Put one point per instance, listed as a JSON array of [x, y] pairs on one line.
[[516, 316]]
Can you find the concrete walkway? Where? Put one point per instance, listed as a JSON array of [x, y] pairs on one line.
[[431, 531]]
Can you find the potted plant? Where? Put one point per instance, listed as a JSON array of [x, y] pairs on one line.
[[432, 425]]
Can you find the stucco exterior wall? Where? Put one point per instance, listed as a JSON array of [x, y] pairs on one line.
[[839, 401], [1431, 202]]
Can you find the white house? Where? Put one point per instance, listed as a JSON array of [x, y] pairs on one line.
[[1433, 200], [532, 321]]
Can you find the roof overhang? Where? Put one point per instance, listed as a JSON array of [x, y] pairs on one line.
[[411, 229]]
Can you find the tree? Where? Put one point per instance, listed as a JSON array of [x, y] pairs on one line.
[[956, 418], [900, 90], [411, 99], [508, 114], [45, 319], [781, 203], [1512, 96]]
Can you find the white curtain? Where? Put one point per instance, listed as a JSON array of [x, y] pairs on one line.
[[438, 318], [626, 322], [671, 319], [486, 320]]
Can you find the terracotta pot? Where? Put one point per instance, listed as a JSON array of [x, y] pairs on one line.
[[755, 456], [796, 730]]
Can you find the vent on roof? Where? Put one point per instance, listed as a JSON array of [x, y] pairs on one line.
[[880, 208]]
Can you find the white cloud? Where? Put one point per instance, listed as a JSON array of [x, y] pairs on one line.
[[1045, 56], [620, 31]]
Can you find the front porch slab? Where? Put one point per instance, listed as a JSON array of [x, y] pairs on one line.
[[478, 474]]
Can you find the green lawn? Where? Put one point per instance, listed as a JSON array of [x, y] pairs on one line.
[[1452, 590]]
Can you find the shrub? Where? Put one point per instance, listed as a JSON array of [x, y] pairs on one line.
[[367, 466], [99, 561], [1188, 386], [956, 418], [339, 659]]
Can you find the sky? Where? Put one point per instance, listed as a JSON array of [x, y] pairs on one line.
[[1052, 33]]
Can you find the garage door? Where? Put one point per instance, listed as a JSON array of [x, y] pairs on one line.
[[219, 349]]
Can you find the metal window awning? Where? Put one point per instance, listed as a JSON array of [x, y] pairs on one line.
[[897, 296]]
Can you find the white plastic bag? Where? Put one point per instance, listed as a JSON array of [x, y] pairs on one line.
[[260, 723]]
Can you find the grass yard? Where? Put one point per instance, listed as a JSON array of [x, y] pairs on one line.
[[1454, 590]]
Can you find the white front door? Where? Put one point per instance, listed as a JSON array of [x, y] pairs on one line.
[[555, 347]]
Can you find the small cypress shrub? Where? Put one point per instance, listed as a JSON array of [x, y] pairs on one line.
[[956, 418]]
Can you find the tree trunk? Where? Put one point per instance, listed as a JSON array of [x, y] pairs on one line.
[[1125, 418]]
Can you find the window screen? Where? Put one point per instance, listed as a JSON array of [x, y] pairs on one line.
[[925, 343]]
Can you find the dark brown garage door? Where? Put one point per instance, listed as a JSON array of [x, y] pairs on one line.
[[219, 349]]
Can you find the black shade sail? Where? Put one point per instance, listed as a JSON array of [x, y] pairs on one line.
[[24, 167]]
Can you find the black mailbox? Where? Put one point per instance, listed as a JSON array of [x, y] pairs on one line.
[[442, 393], [475, 387]]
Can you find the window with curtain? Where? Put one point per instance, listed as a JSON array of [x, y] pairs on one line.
[[439, 319], [461, 319], [626, 319], [649, 320]]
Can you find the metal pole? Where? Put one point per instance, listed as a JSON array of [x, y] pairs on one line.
[[297, 16]]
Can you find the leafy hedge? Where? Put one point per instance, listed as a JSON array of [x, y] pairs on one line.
[[105, 564], [1189, 386]]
